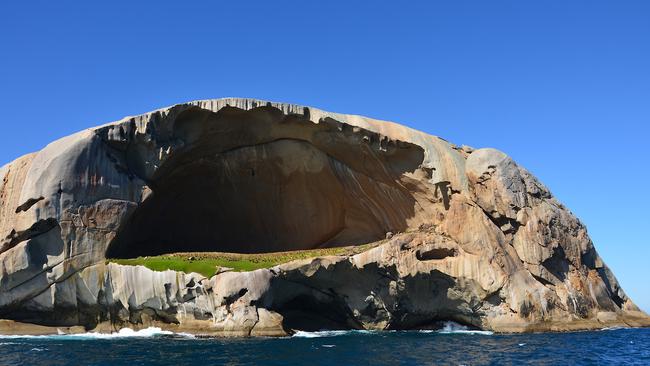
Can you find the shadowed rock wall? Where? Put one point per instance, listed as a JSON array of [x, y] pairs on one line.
[[256, 181]]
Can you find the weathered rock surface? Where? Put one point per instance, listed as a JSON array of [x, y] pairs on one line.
[[479, 239]]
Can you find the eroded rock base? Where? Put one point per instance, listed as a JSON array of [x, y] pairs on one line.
[[410, 282]]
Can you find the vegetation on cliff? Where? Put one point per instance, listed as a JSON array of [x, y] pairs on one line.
[[209, 263]]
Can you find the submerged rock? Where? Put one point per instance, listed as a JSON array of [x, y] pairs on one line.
[[462, 234]]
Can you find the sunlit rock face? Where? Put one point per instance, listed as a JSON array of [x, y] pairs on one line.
[[460, 234]]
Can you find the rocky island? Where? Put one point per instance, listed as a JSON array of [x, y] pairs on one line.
[[433, 232]]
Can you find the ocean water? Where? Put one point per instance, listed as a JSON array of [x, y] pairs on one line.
[[452, 345]]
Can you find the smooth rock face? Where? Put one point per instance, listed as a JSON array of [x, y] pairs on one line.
[[466, 235]]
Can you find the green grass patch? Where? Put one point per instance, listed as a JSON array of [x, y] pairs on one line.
[[205, 266], [208, 263]]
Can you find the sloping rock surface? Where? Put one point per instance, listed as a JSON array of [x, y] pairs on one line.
[[478, 240]]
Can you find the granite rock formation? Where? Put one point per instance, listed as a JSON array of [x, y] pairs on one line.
[[478, 239]]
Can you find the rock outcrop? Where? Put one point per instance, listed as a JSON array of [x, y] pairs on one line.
[[478, 239]]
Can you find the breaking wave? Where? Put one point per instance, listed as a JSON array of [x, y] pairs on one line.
[[329, 333], [448, 327], [455, 328], [122, 333], [615, 328]]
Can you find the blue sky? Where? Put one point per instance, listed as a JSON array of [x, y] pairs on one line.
[[562, 86]]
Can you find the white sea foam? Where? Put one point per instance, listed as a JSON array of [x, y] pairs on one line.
[[448, 328], [455, 328], [328, 333], [122, 333], [615, 328], [14, 336], [125, 333]]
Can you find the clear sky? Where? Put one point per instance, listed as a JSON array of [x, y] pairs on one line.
[[561, 86]]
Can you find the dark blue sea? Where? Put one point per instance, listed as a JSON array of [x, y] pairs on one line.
[[446, 347]]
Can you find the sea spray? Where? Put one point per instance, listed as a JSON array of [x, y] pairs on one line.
[[122, 333]]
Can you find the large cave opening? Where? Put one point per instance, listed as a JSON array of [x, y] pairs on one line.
[[273, 195]]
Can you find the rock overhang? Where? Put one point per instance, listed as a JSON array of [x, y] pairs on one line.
[[258, 180], [129, 159]]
